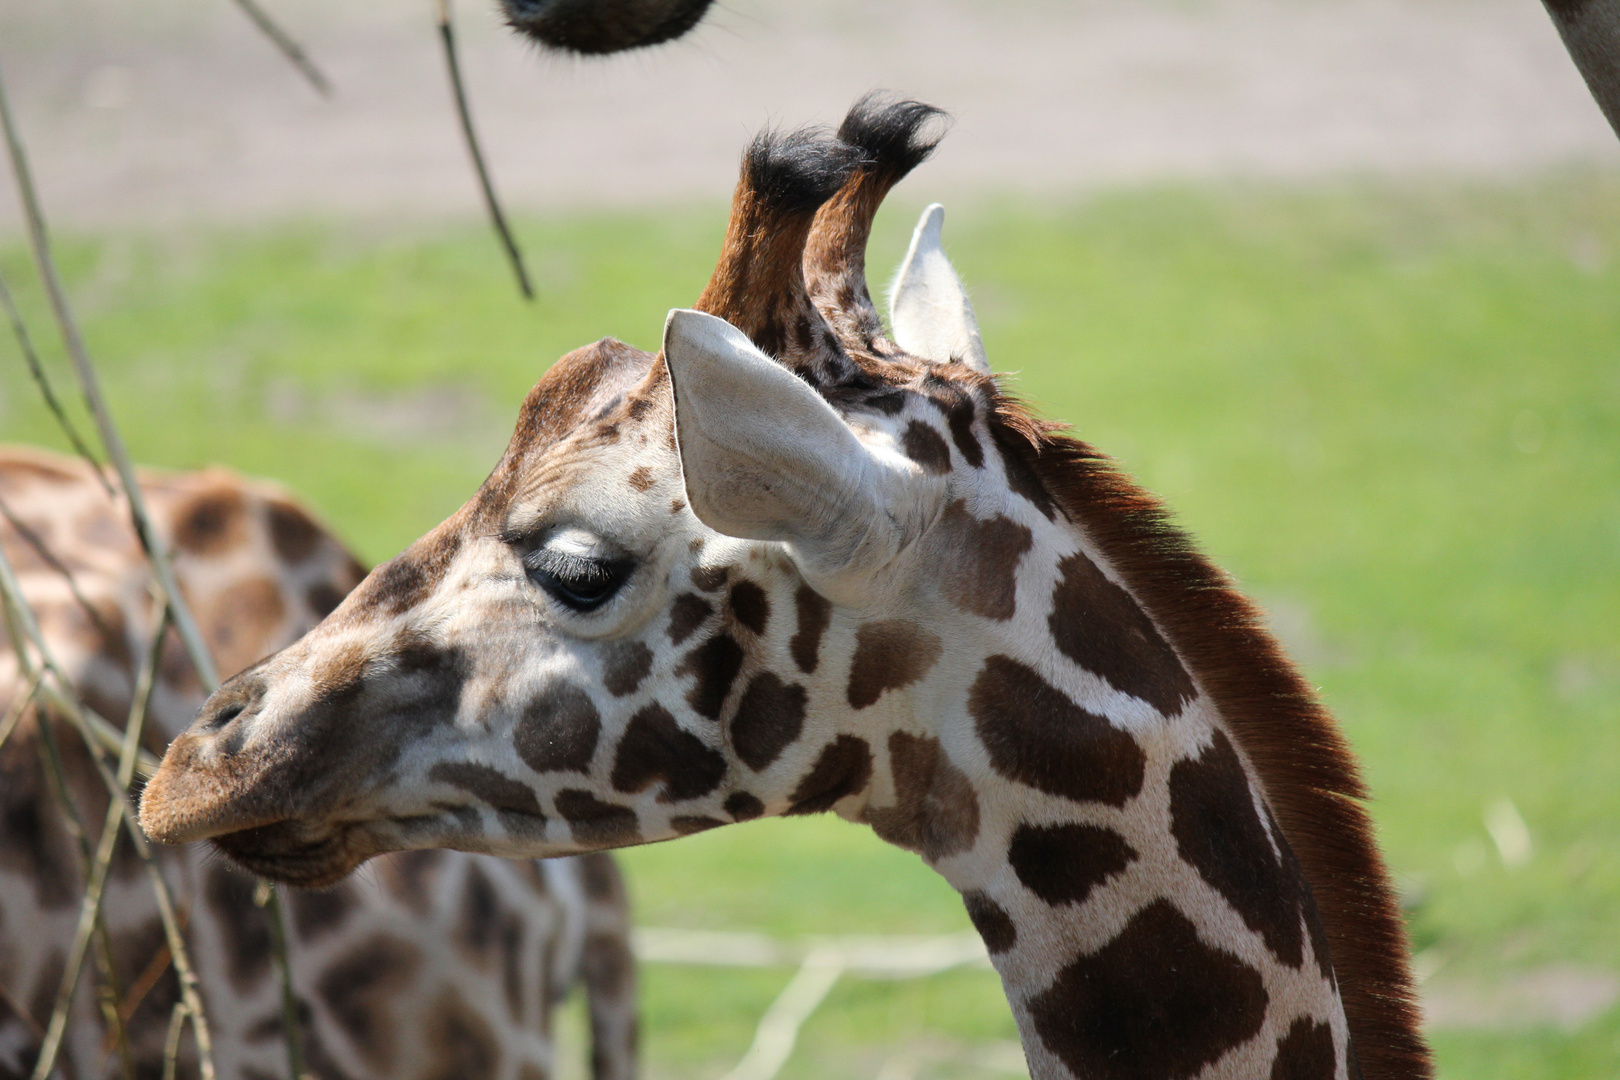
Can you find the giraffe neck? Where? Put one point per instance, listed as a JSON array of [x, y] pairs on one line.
[[1114, 846]]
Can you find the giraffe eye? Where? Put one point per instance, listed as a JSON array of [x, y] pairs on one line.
[[579, 582]]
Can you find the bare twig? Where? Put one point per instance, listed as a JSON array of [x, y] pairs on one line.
[[90, 911], [171, 1044], [289, 48], [60, 696], [447, 35], [168, 587], [19, 330], [268, 897], [14, 714], [90, 383], [32, 540]]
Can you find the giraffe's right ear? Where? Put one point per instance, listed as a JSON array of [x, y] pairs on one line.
[[765, 457], [928, 307]]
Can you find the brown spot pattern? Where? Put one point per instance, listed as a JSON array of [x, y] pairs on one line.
[[937, 810], [1154, 1002], [743, 806], [293, 535], [642, 479], [815, 612], [625, 664], [981, 573], [1099, 626], [595, 821], [769, 718], [1061, 864], [715, 663], [994, 925], [710, 578], [923, 445], [211, 522], [1306, 1053], [490, 785], [750, 606], [460, 1044], [889, 654], [655, 748], [558, 730], [1037, 736], [686, 614], [360, 989], [1218, 832], [844, 768], [410, 577]]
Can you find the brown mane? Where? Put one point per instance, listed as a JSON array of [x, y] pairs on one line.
[[1303, 761]]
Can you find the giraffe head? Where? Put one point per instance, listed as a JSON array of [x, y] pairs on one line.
[[697, 588], [791, 564]]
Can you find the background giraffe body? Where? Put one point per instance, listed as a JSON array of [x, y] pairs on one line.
[[790, 565], [433, 964]]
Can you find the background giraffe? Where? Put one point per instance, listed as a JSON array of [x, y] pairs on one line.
[[790, 566], [436, 964]]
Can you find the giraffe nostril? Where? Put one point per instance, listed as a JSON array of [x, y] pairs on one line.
[[223, 717]]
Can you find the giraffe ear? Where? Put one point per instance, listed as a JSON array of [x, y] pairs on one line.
[[765, 457], [928, 307]]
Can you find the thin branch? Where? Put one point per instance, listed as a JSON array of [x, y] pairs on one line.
[[289, 48], [60, 696], [19, 330], [32, 539], [447, 36], [171, 1044], [171, 596], [90, 383], [14, 715], [268, 897], [90, 911]]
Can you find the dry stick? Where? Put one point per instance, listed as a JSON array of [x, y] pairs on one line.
[[19, 330], [289, 48], [32, 539], [90, 912], [25, 628], [151, 540], [447, 35], [171, 1044], [14, 715], [90, 383]]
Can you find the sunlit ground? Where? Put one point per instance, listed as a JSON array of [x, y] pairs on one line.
[[1392, 411]]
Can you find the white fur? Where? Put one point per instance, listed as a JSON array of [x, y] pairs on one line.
[[764, 457], [928, 307]]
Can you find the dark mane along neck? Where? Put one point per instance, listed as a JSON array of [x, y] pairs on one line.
[[1304, 763]]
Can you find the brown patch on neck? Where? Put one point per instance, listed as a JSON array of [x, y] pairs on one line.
[[1303, 762]]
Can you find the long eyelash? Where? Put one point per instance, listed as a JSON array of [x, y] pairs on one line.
[[569, 567]]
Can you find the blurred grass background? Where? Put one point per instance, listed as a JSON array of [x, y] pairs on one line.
[[1392, 409]]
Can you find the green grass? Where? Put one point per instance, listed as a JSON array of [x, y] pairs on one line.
[[1392, 411]]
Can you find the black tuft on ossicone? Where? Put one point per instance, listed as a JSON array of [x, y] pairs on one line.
[[795, 172], [892, 133], [599, 27]]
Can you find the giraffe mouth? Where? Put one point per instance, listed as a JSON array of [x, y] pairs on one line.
[[287, 852]]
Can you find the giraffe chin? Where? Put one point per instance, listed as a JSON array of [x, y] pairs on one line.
[[287, 853]]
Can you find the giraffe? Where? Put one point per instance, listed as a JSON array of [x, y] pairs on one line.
[[793, 564], [441, 964]]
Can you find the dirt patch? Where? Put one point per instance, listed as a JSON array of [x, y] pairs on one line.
[[164, 110]]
